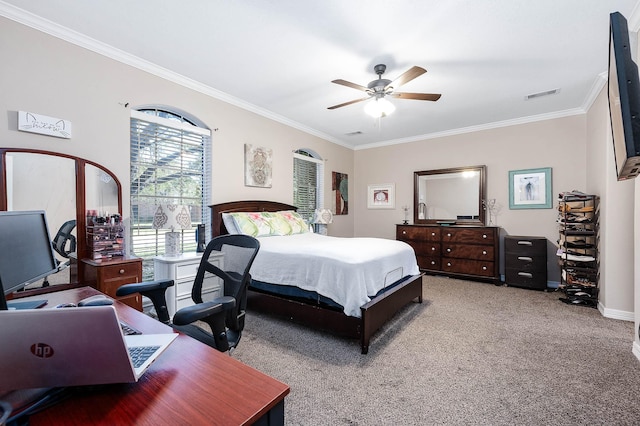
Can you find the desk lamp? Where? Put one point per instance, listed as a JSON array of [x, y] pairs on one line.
[[172, 217]]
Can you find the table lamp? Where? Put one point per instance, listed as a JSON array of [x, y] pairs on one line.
[[172, 217], [321, 218]]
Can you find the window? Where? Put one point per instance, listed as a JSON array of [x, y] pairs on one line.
[[169, 165], [308, 178]]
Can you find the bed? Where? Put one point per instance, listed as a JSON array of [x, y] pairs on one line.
[[388, 283]]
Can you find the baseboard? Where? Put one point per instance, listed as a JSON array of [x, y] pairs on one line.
[[615, 313], [636, 349]]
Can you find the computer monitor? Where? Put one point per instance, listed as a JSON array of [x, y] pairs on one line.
[[26, 253]]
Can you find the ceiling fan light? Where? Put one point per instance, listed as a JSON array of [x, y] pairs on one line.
[[379, 107]]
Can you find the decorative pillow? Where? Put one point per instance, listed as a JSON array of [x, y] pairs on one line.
[[254, 224], [295, 221], [279, 225], [230, 224]]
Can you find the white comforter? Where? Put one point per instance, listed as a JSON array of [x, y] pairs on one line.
[[347, 270]]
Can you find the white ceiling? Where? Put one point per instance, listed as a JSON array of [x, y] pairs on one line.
[[278, 57]]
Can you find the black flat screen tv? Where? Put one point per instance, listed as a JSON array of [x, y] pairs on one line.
[[26, 253], [624, 100]]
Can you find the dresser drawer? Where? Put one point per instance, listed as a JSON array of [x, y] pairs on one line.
[[468, 235], [421, 233], [469, 267], [187, 271], [525, 262], [526, 245], [529, 279], [429, 262], [462, 251]]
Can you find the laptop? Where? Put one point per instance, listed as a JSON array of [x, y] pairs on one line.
[[44, 348]]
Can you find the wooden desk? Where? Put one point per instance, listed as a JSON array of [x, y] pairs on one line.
[[190, 383]]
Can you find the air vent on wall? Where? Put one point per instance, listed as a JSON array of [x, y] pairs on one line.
[[541, 94]]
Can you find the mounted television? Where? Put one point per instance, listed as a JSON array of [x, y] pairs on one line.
[[26, 254], [624, 100]]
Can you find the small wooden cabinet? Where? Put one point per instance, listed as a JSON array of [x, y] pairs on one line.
[[182, 270], [107, 275], [525, 262], [455, 250]]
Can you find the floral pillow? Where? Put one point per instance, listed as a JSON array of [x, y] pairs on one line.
[[254, 224], [295, 221]]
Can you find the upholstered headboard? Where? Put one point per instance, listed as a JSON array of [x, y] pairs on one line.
[[217, 225]]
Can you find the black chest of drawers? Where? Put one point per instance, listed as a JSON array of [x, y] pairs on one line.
[[525, 262]]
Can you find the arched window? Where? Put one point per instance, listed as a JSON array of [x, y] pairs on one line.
[[170, 164], [308, 179]]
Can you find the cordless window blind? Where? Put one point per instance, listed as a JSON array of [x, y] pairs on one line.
[[169, 165], [308, 181]]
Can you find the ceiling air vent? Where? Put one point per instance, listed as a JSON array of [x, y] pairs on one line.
[[356, 133], [541, 94]]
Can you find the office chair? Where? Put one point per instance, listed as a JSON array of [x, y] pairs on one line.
[[64, 244], [224, 315]]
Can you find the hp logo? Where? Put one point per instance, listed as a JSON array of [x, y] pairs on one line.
[[42, 350]]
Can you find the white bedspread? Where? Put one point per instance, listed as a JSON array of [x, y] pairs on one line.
[[348, 270]]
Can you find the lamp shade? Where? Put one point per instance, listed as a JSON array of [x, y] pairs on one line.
[[322, 216], [172, 216], [379, 107]]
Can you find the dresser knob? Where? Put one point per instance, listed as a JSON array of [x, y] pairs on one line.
[[449, 234], [484, 252], [448, 250], [433, 262], [448, 263], [484, 268], [121, 271], [433, 234], [433, 249], [484, 236], [404, 232]]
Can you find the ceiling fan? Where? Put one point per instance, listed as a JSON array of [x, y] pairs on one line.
[[378, 89]]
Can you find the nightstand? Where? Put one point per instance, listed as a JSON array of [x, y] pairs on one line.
[[525, 262], [182, 270], [107, 275]]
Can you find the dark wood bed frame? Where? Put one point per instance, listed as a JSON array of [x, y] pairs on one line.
[[374, 314]]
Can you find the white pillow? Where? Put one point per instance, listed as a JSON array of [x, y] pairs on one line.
[[230, 224]]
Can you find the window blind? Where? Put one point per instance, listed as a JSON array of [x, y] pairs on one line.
[[168, 166], [308, 181]]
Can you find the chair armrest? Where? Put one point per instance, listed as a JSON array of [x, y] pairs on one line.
[[144, 286], [200, 311]]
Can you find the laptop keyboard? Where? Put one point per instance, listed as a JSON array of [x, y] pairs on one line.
[[127, 330], [140, 354]]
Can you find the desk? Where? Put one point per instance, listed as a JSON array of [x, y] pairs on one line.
[[190, 383]]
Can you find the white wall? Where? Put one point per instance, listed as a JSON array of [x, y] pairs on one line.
[[46, 75]]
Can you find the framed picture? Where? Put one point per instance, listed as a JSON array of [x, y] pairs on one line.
[[530, 189], [257, 166], [382, 196]]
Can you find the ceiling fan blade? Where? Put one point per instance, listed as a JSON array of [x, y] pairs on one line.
[[350, 84], [408, 75], [417, 96], [348, 103]]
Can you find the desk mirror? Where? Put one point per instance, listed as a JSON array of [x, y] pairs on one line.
[[449, 195]]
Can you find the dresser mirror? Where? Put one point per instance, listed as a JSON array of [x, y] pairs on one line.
[[64, 186], [449, 195]]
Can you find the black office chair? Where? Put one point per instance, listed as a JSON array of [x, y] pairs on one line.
[[224, 315], [64, 243]]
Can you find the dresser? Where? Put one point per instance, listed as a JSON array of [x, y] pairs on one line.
[[456, 250], [106, 275], [525, 261], [182, 270]]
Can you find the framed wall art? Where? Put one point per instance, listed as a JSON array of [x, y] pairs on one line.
[[339, 189], [530, 189], [381, 196], [257, 166]]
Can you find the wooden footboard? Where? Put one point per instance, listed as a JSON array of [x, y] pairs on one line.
[[374, 314]]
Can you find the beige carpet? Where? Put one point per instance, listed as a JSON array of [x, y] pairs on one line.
[[472, 353]]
